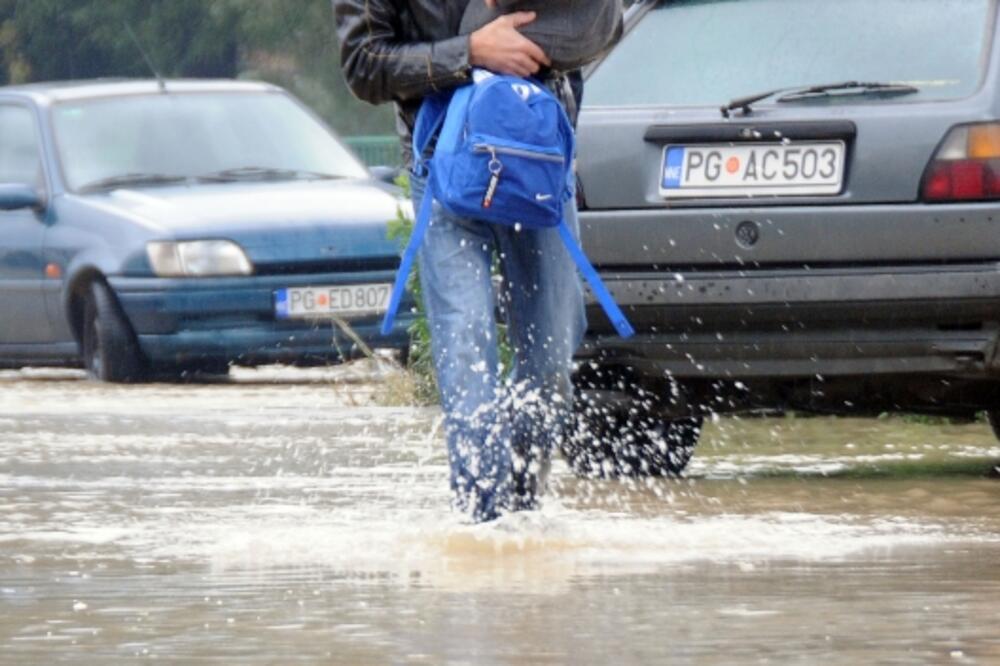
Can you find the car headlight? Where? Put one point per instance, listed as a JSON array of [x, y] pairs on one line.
[[198, 258]]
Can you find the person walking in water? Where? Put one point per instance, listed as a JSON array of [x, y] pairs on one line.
[[501, 424]]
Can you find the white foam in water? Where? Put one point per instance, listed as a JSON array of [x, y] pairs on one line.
[[545, 548], [390, 522], [749, 465]]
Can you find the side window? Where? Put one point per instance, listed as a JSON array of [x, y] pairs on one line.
[[19, 150]]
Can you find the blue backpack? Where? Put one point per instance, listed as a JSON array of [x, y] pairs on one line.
[[505, 156]]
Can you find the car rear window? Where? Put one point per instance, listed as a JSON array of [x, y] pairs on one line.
[[707, 52]]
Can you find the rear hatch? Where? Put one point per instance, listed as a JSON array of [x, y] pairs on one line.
[[823, 178]]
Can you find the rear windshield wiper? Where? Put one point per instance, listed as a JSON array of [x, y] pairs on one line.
[[133, 179], [824, 90], [263, 173]]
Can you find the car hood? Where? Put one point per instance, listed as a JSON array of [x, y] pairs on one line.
[[276, 223]]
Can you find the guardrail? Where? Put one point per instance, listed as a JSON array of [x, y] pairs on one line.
[[377, 150]]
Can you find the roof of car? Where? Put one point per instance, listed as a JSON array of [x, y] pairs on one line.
[[59, 91]]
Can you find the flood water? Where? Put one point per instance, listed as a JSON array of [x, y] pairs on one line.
[[284, 517]]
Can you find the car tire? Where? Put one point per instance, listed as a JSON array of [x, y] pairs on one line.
[[110, 349], [994, 418], [616, 442]]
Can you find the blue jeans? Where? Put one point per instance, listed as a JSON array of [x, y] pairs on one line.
[[501, 427]]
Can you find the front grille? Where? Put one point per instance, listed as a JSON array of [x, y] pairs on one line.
[[351, 265]]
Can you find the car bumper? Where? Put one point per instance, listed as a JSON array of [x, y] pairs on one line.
[[233, 319], [845, 321]]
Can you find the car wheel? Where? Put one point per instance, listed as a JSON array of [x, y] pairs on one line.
[[618, 442], [110, 350], [994, 419]]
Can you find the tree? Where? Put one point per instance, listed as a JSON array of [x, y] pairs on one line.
[[288, 42], [74, 39], [294, 44]]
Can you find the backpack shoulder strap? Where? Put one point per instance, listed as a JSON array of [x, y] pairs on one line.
[[430, 118], [435, 114], [453, 122], [604, 297], [420, 226], [433, 119]]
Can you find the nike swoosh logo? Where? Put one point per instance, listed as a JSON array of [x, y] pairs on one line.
[[542, 197]]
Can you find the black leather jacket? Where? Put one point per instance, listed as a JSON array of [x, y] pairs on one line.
[[403, 50]]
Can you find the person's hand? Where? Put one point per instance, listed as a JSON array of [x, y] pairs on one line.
[[499, 47]]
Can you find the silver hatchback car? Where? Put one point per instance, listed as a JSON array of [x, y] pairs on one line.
[[798, 203]]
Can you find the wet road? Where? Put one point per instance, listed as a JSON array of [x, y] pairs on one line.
[[286, 518]]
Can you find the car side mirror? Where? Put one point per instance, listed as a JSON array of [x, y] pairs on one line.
[[386, 174], [15, 196]]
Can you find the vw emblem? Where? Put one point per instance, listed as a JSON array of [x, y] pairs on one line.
[[747, 234]]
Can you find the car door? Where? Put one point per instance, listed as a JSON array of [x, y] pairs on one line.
[[23, 316]]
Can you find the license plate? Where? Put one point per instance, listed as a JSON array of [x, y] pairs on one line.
[[757, 169], [340, 300]]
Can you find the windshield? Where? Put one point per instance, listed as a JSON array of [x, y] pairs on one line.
[[707, 52], [191, 135]]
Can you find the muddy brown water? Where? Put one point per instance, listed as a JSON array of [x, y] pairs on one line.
[[285, 518]]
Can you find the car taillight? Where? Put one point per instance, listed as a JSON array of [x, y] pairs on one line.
[[966, 167]]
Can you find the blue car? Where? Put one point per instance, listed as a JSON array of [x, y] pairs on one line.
[[154, 227]]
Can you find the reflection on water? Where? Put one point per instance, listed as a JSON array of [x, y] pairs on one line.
[[272, 519]]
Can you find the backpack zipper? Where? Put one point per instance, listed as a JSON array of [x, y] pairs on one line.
[[517, 152]]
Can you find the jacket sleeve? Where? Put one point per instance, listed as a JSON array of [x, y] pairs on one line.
[[380, 66]]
